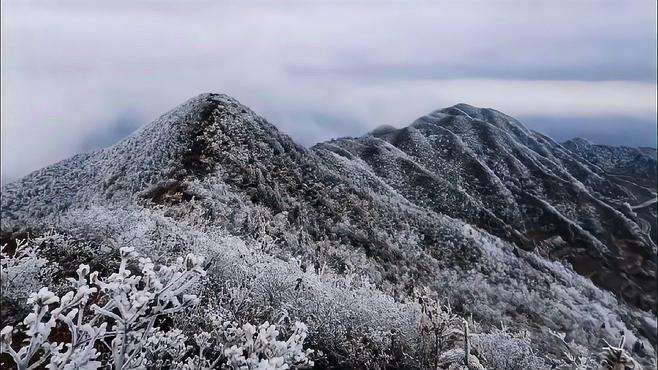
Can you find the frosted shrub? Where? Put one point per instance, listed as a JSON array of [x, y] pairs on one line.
[[229, 344], [440, 327], [119, 319], [573, 355], [230, 340], [506, 351], [19, 271], [164, 349], [616, 357], [118, 312]]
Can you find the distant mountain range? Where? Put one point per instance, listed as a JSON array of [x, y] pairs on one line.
[[466, 201]]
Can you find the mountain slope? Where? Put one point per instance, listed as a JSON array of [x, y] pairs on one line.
[[638, 163], [466, 201], [487, 169]]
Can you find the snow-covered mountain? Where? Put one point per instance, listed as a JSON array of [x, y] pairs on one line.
[[504, 223]]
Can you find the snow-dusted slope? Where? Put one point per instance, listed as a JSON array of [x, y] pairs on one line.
[[466, 201], [486, 168], [639, 163]]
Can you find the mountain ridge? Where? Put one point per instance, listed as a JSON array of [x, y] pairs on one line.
[[453, 196]]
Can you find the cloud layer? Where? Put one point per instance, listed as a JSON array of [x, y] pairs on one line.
[[76, 76]]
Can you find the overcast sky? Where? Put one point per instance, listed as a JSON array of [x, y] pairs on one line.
[[79, 75]]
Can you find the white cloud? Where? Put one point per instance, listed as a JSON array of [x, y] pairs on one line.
[[71, 69]]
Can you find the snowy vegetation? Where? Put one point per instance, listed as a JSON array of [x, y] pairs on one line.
[[122, 320], [445, 244], [147, 314]]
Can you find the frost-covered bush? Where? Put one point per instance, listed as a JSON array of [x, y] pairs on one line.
[[245, 346], [441, 329], [20, 270], [125, 320], [351, 322], [573, 355], [616, 357], [118, 312], [506, 351]]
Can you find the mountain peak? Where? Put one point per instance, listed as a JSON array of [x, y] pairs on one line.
[[190, 141], [464, 195], [579, 141], [463, 109], [198, 133], [466, 108], [382, 130]]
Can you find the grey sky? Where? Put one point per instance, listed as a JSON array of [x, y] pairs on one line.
[[80, 75]]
